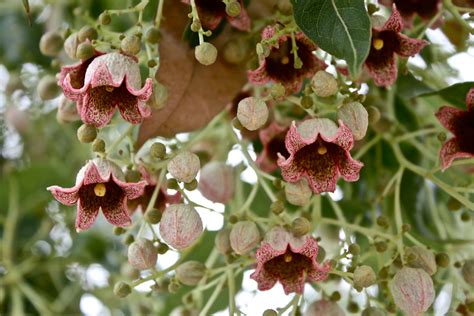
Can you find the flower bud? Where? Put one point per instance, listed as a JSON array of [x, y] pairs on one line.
[[364, 276], [324, 84], [244, 236], [153, 216], [132, 175], [70, 45], [51, 44], [233, 8], [84, 51], [142, 254], [122, 289], [180, 225], [87, 32], [131, 44], [105, 18], [158, 150], [47, 88], [190, 272], [355, 116], [300, 226], [298, 193], [270, 312], [468, 271], [205, 53], [129, 272], [420, 257], [354, 249], [67, 111], [374, 114], [412, 290], [184, 166], [277, 90], [216, 182], [324, 307], [252, 113], [158, 97], [98, 146], [17, 118], [86, 133], [277, 207], [442, 260], [222, 241], [236, 50], [373, 311], [153, 35]]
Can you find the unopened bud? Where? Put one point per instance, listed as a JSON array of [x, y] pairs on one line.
[[270, 312], [468, 271], [86, 133], [153, 35], [216, 182], [67, 111], [105, 18], [132, 175], [184, 166], [191, 186], [233, 8], [158, 150], [300, 226], [324, 84], [84, 51], [205, 53], [190, 272], [87, 32], [70, 45], [324, 307], [354, 116], [442, 260], [222, 241], [277, 90], [298, 193], [374, 114], [277, 207], [51, 44], [180, 225], [122, 289], [131, 44], [373, 311], [98, 145], [158, 97], [420, 257], [244, 236], [412, 290], [47, 88], [252, 113], [354, 249], [142, 254], [364, 276]]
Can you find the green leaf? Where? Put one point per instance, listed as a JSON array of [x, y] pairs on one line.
[[409, 87], [340, 27], [455, 95]]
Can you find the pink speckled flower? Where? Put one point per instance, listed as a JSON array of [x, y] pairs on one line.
[[279, 67], [110, 80], [319, 152], [273, 140], [99, 185], [288, 259], [387, 41], [212, 12], [162, 200], [425, 9], [461, 124]]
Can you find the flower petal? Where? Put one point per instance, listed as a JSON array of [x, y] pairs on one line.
[[410, 46], [66, 196], [132, 190], [470, 100], [394, 22], [451, 151], [117, 214], [264, 279], [86, 215], [384, 72], [259, 76], [97, 108], [92, 174], [448, 115]]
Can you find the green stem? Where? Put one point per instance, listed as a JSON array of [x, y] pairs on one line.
[[363, 230], [398, 214], [367, 146], [159, 13], [231, 285], [212, 299], [117, 142]]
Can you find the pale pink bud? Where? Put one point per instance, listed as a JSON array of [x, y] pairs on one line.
[[324, 308], [324, 84], [468, 272], [244, 236], [412, 290], [222, 241], [184, 166], [420, 257], [216, 182], [364, 276], [356, 117], [191, 272], [142, 254], [67, 111], [180, 225], [298, 193], [252, 113]]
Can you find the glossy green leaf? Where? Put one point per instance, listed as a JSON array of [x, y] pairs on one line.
[[454, 95], [340, 27]]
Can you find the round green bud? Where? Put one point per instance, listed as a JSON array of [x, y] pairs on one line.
[[236, 124], [153, 35], [172, 184], [442, 137], [84, 51], [205, 53], [468, 272], [233, 219], [233, 8], [190, 272], [374, 114], [465, 216], [162, 248], [381, 246], [132, 175], [151, 63], [382, 221], [195, 26], [335, 296], [105, 18], [406, 228], [354, 249], [98, 145], [119, 230], [47, 88], [277, 90], [191, 186], [87, 32], [442, 260], [128, 239], [51, 44], [122, 289], [153, 216], [352, 307], [173, 287], [324, 84], [277, 207], [158, 150], [131, 44], [364, 276], [86, 133], [270, 312], [454, 204], [300, 226], [307, 102], [373, 311]]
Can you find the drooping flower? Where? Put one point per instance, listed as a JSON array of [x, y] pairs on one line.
[[212, 12], [461, 124], [273, 141], [319, 152], [289, 260], [387, 42], [99, 185], [109, 81], [279, 65], [162, 200], [425, 9]]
